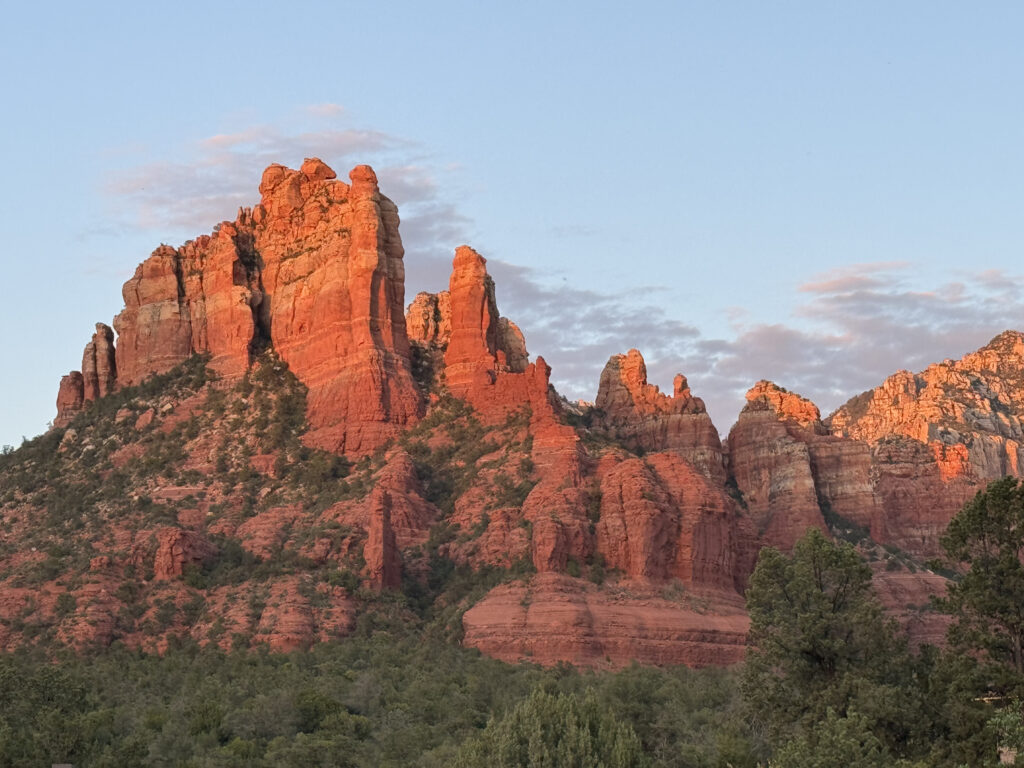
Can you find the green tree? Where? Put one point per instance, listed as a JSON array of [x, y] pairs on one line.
[[552, 731], [987, 603], [820, 644], [847, 741]]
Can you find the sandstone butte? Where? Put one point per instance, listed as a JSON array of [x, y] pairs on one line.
[[634, 525]]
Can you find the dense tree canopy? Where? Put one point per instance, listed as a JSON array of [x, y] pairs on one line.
[[819, 641], [829, 680], [987, 603], [553, 731]]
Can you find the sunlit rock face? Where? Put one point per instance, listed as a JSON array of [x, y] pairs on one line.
[[316, 271], [938, 436], [643, 418]]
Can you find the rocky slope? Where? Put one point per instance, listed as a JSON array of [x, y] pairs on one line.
[[273, 451]]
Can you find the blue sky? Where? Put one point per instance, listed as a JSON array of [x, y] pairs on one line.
[[817, 193]]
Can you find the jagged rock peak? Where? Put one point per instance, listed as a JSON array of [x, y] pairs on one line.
[[481, 343], [982, 393], [788, 405], [315, 169], [624, 387], [643, 418]]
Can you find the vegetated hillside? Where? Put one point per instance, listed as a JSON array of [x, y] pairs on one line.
[[272, 448]]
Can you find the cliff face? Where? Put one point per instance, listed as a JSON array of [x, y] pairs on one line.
[[976, 402], [939, 436], [771, 462], [334, 280], [342, 444]]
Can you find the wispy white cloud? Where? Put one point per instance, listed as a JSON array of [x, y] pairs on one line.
[[325, 110]]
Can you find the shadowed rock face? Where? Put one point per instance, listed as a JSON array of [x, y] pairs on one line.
[[429, 319], [770, 460], [899, 460], [99, 368]]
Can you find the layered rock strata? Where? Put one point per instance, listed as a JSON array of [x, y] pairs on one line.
[[789, 470], [554, 618]]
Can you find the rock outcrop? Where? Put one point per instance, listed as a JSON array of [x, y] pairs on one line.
[[976, 402], [637, 527], [640, 416], [383, 563], [177, 549], [554, 618], [660, 519], [772, 466], [480, 347], [200, 298], [937, 437], [428, 320], [334, 286], [70, 398], [792, 473], [99, 366], [316, 271]]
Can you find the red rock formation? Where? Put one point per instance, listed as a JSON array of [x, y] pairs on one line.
[[99, 369], [844, 479], [287, 622], [772, 469], [641, 417], [397, 486], [554, 618], [383, 564], [70, 398], [471, 357], [661, 519], [153, 330], [917, 501], [976, 402], [197, 298], [789, 407], [333, 277], [326, 289], [938, 436], [428, 319], [177, 549], [513, 344], [480, 346], [221, 283]]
